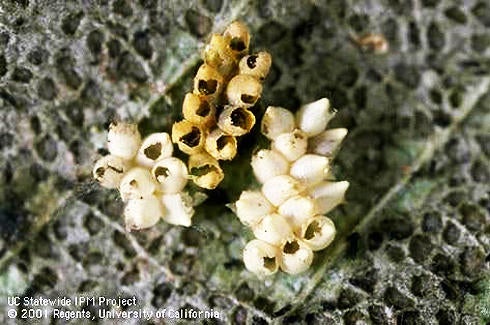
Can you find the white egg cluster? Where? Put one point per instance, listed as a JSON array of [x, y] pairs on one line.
[[216, 112], [149, 179], [287, 213]]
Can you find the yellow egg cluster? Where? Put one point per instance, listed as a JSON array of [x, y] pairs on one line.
[[227, 84], [287, 213], [150, 181]]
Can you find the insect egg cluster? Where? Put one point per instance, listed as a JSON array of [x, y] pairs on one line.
[[287, 213], [216, 112], [149, 179]]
